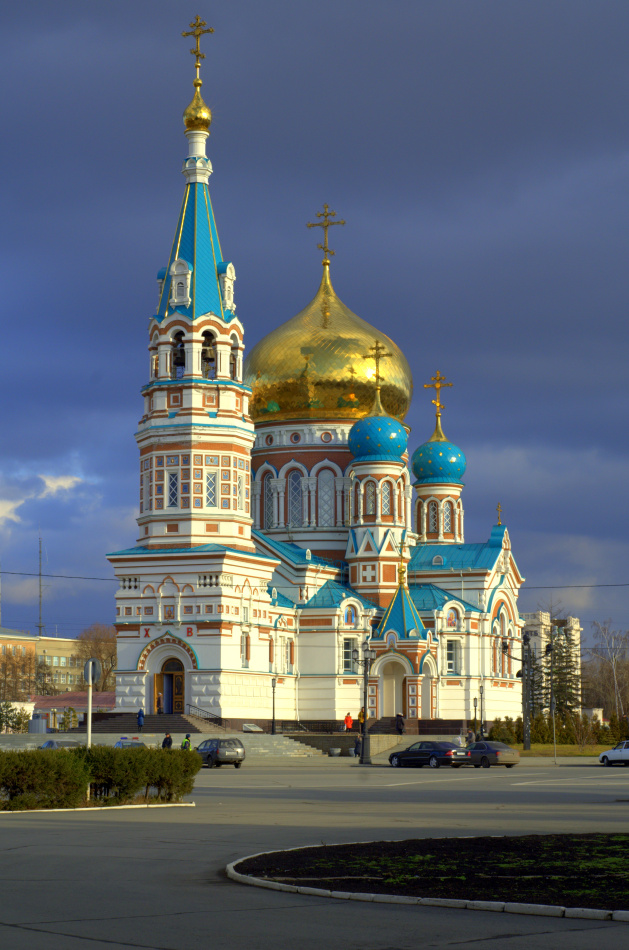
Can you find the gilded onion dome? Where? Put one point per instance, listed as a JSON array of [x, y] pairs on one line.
[[197, 115], [315, 367]]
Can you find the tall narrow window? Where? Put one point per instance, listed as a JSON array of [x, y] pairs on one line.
[[208, 356], [178, 356], [241, 493], [386, 498], [173, 493], [447, 517], [370, 498], [349, 664], [295, 515], [325, 498], [453, 656], [267, 498], [210, 489], [433, 517]]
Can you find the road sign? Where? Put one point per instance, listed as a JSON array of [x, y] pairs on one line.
[[96, 669]]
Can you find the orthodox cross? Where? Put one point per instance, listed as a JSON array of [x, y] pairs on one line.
[[436, 383], [377, 352], [499, 510], [326, 214], [197, 31]]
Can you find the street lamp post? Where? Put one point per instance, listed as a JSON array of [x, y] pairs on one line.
[[526, 692], [482, 729], [367, 659], [273, 685], [475, 721]]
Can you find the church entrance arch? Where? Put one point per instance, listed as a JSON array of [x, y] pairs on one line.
[[428, 681], [171, 683], [393, 674]]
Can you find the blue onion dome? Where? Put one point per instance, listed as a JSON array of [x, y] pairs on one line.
[[379, 438], [438, 461]]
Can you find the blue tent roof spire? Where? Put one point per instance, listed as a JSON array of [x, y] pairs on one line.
[[196, 279]]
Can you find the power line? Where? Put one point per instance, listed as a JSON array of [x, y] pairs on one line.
[[79, 577]]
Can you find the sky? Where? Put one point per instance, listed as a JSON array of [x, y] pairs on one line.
[[478, 151]]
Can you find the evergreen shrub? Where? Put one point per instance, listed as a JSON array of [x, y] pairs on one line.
[[58, 778]]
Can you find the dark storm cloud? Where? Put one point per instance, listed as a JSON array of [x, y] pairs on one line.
[[479, 153]]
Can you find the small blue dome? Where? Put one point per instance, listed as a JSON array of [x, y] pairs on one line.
[[377, 436], [438, 462]]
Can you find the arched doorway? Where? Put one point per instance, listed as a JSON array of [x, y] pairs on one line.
[[393, 674], [171, 683], [427, 681]]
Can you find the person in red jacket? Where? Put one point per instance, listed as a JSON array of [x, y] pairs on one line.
[[349, 722]]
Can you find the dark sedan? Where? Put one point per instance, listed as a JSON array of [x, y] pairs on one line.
[[486, 753], [432, 754], [217, 752]]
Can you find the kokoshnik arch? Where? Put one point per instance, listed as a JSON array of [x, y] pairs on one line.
[[280, 524]]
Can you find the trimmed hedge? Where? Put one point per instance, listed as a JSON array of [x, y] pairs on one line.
[[58, 778]]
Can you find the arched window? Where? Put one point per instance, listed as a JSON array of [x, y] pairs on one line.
[[178, 356], [208, 356], [386, 498], [437, 561], [503, 625], [180, 288], [295, 513], [325, 498], [370, 498], [447, 517], [233, 358], [267, 502], [350, 615], [433, 517]]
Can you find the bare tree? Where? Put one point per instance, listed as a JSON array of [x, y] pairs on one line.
[[611, 650], [99, 641]]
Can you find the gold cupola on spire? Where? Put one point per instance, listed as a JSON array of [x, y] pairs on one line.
[[314, 365], [197, 116]]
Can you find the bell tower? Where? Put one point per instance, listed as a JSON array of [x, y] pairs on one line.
[[195, 434]]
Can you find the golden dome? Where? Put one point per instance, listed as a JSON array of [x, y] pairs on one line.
[[197, 116], [313, 366]]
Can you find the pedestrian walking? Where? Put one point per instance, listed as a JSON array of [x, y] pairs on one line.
[[361, 715], [470, 736], [160, 704], [349, 722], [400, 724], [185, 743], [358, 747], [167, 742], [140, 719]]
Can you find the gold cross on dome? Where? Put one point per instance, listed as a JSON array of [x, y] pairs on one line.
[[499, 510], [326, 214], [436, 383], [197, 31], [376, 353]]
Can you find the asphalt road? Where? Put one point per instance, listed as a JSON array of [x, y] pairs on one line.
[[155, 879]]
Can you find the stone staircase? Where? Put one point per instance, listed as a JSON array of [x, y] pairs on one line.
[[126, 724]]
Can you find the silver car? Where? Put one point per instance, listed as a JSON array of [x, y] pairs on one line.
[[619, 755]]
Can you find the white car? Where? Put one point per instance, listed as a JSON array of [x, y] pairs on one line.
[[619, 755]]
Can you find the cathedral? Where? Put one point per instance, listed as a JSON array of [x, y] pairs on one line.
[[283, 524]]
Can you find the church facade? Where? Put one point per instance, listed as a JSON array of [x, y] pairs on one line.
[[282, 522]]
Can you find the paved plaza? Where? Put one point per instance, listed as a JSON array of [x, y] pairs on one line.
[[155, 878]]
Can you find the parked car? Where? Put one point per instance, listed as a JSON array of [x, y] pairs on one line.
[[619, 755], [432, 754], [125, 743], [486, 753], [217, 752], [61, 744]]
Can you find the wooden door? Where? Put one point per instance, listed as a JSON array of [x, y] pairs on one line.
[[158, 687], [178, 692]]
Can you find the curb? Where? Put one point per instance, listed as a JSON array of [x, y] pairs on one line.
[[506, 907], [48, 811]]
